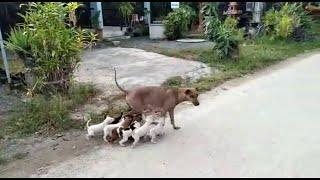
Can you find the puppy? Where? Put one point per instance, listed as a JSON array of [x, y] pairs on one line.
[[127, 133], [150, 117], [157, 129], [125, 123], [98, 128], [114, 136]]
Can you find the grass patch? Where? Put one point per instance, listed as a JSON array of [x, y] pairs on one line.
[[315, 27], [254, 55], [175, 81], [3, 161], [189, 54], [47, 114], [17, 156], [15, 65]]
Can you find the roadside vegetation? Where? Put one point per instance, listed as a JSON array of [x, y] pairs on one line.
[[289, 31], [47, 54]]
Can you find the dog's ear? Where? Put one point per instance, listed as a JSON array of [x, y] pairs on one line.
[[188, 91]]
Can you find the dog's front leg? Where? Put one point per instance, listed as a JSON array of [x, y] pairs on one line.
[[171, 114]]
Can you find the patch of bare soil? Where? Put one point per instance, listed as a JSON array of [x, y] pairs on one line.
[[38, 152]]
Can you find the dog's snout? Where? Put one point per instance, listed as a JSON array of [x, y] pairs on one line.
[[196, 103]]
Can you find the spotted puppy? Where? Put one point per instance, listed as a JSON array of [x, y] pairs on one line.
[[112, 131], [126, 133]]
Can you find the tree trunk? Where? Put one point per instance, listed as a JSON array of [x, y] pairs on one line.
[[200, 16]]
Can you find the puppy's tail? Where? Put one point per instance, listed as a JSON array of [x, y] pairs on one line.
[[115, 79], [88, 120]]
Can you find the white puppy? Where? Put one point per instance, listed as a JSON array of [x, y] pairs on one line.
[[157, 129], [147, 126], [98, 128]]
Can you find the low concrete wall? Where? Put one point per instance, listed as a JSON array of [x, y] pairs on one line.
[[156, 31]]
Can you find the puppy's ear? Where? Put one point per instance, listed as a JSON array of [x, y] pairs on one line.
[[128, 116], [119, 117], [188, 91]]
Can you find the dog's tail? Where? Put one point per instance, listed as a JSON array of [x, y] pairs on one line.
[[115, 79]]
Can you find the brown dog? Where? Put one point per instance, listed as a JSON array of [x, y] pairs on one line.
[[167, 98]]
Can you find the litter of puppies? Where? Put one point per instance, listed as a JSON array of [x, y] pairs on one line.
[[131, 125]]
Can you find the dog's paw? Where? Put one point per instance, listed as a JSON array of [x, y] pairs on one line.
[[122, 145], [87, 137], [153, 141]]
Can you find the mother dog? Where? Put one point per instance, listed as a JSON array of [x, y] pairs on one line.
[[167, 98]]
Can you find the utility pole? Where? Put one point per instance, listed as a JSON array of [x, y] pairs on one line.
[[4, 57]]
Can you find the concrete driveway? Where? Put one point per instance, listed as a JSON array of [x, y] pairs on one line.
[[135, 67], [265, 127]]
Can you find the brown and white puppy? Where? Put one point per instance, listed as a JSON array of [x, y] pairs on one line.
[[126, 133], [113, 131], [160, 97]]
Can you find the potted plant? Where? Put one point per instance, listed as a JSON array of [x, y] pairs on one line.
[[95, 24]]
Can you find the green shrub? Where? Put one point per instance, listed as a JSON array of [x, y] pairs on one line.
[[282, 24], [227, 42], [18, 42], [54, 47], [225, 34], [177, 21], [126, 9]]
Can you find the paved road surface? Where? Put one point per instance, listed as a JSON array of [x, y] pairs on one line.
[[265, 127]]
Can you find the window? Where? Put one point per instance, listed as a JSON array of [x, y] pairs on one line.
[[159, 10], [249, 6]]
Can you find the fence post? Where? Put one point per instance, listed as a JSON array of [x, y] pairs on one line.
[[4, 57]]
